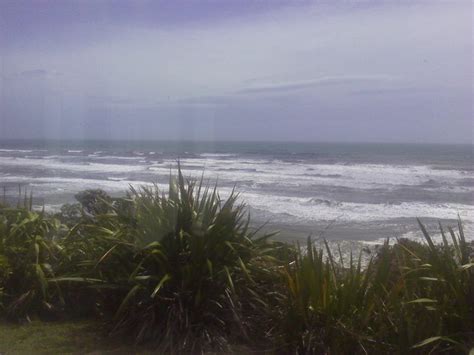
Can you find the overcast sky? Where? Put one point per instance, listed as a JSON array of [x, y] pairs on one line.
[[391, 71]]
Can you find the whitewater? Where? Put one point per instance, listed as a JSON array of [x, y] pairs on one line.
[[344, 191]]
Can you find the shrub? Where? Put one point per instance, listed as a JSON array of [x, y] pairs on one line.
[[177, 269], [328, 307], [70, 214], [94, 202], [411, 298], [28, 251]]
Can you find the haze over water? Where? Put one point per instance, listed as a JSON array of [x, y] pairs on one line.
[[348, 191]]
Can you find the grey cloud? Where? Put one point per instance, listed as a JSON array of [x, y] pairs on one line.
[[208, 100], [109, 99], [36, 73], [324, 81], [32, 74], [393, 91], [119, 103]]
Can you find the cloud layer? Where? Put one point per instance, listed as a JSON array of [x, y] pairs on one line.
[[345, 72]]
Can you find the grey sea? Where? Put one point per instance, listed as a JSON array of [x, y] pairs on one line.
[[357, 192]]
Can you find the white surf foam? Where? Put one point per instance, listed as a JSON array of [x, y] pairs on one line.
[[58, 165], [44, 187], [276, 174], [17, 150], [361, 176], [216, 155], [300, 209]]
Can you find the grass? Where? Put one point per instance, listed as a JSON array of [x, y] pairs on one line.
[[184, 273], [62, 337]]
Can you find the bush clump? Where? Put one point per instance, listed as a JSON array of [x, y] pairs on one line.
[[175, 269], [28, 252]]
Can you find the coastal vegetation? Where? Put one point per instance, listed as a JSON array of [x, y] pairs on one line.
[[184, 272]]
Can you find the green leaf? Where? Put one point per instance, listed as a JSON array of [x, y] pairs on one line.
[[127, 298], [74, 279], [423, 300], [106, 255], [427, 341], [42, 279], [467, 266], [433, 340], [209, 267], [165, 278], [229, 279], [431, 279]]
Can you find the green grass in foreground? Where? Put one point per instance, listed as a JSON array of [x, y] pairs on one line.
[[184, 273], [61, 337]]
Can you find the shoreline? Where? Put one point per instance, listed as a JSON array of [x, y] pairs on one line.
[[364, 233]]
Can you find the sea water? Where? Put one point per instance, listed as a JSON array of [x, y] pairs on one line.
[[344, 191]]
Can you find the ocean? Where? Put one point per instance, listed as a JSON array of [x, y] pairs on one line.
[[357, 192]]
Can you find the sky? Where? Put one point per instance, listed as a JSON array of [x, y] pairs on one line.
[[349, 71]]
